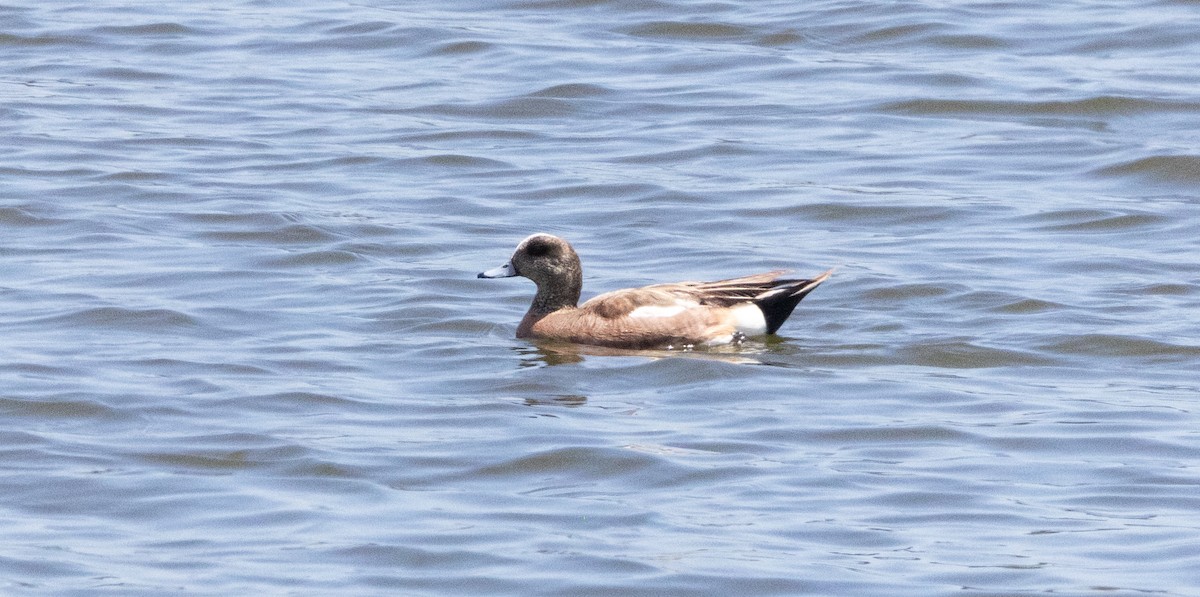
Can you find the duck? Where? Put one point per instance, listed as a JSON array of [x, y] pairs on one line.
[[672, 315]]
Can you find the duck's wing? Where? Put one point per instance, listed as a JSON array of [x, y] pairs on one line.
[[660, 300], [725, 293], [668, 300], [653, 316], [682, 312]]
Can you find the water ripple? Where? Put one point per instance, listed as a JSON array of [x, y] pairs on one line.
[[1092, 107], [1173, 169]]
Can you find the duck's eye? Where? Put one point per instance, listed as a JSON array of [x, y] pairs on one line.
[[538, 248]]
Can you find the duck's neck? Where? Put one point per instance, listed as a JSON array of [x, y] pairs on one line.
[[557, 291], [552, 297]]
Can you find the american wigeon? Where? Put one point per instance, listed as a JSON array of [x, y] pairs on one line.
[[679, 314]]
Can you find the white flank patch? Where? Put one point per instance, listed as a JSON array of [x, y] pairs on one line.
[[748, 319], [659, 311], [664, 311]]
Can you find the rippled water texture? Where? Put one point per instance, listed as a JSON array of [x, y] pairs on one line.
[[243, 350]]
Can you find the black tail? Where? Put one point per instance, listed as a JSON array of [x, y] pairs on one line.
[[778, 303]]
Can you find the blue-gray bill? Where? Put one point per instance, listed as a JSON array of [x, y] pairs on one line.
[[505, 271]]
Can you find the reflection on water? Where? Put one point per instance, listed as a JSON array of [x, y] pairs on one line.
[[567, 400], [546, 352]]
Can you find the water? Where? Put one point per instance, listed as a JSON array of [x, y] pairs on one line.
[[244, 350]]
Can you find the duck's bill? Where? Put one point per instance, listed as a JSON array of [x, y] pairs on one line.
[[504, 271]]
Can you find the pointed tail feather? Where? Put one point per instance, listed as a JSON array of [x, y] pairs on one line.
[[778, 303]]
